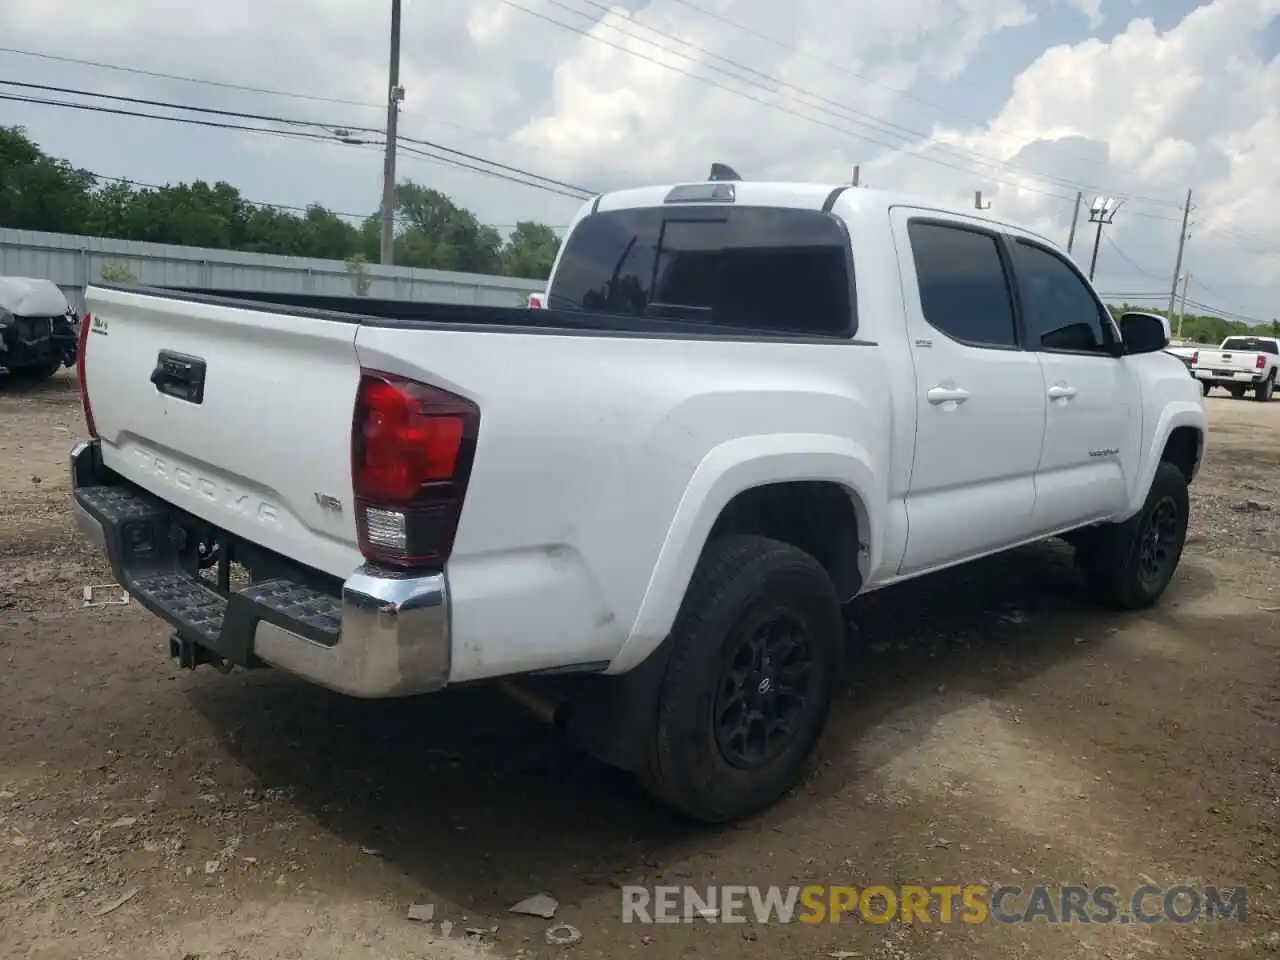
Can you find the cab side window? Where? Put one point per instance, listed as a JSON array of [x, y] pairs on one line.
[[963, 289], [1060, 311]]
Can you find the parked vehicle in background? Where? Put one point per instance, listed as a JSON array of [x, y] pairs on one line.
[[643, 505], [1239, 364], [38, 328], [1184, 350]]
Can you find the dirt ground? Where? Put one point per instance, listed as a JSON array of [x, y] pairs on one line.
[[994, 729]]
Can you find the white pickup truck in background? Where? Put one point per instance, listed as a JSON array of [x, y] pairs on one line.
[[644, 505], [1239, 364]]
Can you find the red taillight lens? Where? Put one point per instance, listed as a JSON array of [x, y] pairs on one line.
[[411, 452], [1262, 361], [535, 301], [85, 323], [1195, 357]]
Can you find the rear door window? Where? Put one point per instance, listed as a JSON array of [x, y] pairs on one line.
[[776, 270], [963, 289]]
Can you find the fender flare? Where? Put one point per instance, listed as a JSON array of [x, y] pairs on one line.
[[1175, 415], [727, 470]]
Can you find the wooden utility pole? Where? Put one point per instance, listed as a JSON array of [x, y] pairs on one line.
[[1101, 211], [395, 93], [1177, 266], [1075, 218]]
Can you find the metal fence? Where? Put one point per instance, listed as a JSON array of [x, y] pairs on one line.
[[72, 262]]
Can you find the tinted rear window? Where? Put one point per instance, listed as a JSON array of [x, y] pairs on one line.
[[775, 270], [1250, 344]]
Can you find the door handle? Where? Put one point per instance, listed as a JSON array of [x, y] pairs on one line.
[[939, 395], [1061, 392]]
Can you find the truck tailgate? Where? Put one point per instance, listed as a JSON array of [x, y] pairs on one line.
[[263, 449], [1227, 361]]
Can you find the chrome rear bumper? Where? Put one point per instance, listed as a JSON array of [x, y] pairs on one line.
[[383, 634]]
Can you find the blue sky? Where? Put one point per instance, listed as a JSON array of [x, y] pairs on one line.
[[1029, 100]]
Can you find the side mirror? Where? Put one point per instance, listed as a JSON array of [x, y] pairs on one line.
[[1144, 332]]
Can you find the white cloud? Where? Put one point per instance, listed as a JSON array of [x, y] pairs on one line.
[[1195, 107], [1139, 113]]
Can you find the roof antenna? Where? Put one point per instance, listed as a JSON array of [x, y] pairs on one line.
[[722, 171]]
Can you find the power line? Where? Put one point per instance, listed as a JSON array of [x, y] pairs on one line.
[[587, 191], [879, 124], [847, 114], [188, 107], [118, 111], [1224, 314], [1127, 259], [834, 65], [339, 130], [574, 193], [772, 106], [523, 178], [242, 88], [157, 75], [1209, 309]]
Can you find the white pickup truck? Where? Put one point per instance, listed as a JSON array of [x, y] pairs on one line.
[[1239, 364], [643, 507]]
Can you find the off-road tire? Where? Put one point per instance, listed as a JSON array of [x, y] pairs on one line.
[[740, 580], [1111, 561]]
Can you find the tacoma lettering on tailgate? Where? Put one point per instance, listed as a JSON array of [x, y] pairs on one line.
[[213, 491]]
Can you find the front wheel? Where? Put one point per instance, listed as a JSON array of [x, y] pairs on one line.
[[1263, 391], [757, 650], [1128, 565]]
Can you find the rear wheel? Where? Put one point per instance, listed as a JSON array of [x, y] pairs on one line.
[[1128, 565], [758, 647], [1263, 391]]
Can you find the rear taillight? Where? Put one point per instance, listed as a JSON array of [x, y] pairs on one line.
[[536, 302], [1195, 357], [411, 451], [85, 323], [1262, 361]]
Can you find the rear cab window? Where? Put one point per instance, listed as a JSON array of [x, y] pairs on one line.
[[1249, 345], [781, 271]]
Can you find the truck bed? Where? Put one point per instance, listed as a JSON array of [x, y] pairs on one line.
[[374, 312]]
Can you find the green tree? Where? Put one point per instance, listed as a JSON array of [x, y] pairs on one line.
[[38, 192], [1200, 328], [437, 233], [530, 251]]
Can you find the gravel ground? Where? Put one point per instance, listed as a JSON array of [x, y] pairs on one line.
[[994, 729]]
